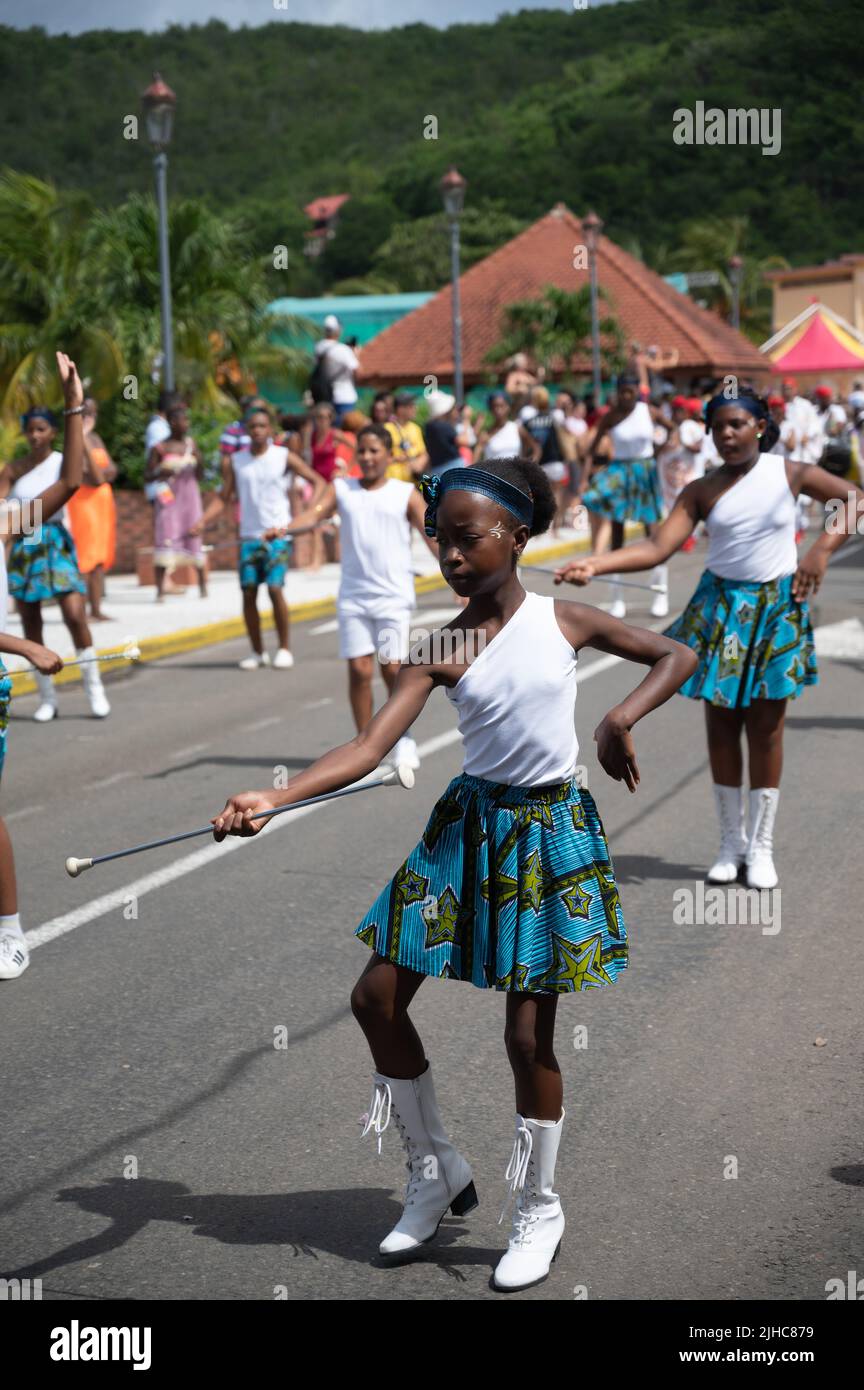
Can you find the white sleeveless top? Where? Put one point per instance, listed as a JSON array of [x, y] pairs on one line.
[[36, 481], [633, 437], [516, 700], [751, 528], [375, 536], [262, 490], [504, 443]]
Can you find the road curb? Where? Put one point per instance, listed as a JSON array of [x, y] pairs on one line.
[[189, 639]]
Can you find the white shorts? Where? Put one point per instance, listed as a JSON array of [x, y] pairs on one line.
[[360, 635], [556, 472]]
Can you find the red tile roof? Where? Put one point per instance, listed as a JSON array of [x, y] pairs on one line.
[[323, 208], [649, 310]]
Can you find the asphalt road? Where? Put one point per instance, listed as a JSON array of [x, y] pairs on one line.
[[146, 1042]]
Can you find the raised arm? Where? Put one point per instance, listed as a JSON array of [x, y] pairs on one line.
[[669, 537], [72, 469]]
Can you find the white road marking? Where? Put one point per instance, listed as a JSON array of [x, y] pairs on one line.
[[843, 641], [187, 752], [319, 704], [106, 781], [264, 723], [26, 811], [320, 630], [98, 907]]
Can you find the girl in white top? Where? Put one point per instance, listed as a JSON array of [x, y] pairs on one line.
[[19, 518], [43, 565], [376, 592], [503, 438], [260, 477], [628, 488], [748, 620], [512, 886]]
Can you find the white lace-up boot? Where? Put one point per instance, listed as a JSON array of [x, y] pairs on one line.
[[99, 705], [538, 1221], [660, 602], [438, 1176], [47, 707], [733, 840], [760, 860]]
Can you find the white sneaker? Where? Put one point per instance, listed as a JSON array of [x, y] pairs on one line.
[[283, 659], [252, 663], [660, 606], [618, 609], [14, 956], [405, 753], [45, 712]]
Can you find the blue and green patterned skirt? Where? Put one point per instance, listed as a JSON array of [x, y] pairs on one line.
[[5, 697], [44, 565], [626, 490], [754, 642], [511, 888]]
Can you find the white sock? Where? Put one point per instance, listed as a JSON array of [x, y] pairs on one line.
[[661, 575], [12, 925]]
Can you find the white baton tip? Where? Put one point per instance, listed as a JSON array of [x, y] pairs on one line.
[[405, 776], [76, 866]]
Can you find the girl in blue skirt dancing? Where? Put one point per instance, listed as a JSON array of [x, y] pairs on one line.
[[748, 620], [512, 885]]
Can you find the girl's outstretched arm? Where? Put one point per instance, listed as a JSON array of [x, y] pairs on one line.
[[341, 766], [669, 537], [19, 518], [671, 665]]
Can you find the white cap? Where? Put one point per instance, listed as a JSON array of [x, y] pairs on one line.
[[440, 403], [331, 322]]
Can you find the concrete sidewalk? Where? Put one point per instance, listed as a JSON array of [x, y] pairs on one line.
[[186, 621]]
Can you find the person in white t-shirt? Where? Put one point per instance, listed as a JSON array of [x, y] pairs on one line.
[[260, 478], [376, 592], [802, 417], [21, 517], [340, 367]]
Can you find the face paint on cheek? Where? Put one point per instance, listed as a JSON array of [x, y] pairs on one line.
[[497, 530]]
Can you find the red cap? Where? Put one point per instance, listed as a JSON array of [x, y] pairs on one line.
[[694, 405], [775, 401], [790, 381], [680, 403], [824, 391]]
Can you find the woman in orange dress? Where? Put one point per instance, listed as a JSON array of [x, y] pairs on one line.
[[92, 514]]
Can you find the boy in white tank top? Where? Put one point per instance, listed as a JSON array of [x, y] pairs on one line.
[[376, 592], [260, 477]]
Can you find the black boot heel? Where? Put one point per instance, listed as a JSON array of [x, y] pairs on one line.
[[557, 1251], [465, 1202]]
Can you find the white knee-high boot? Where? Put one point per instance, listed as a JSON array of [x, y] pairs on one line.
[[538, 1221], [619, 607], [760, 857], [93, 683], [733, 840], [438, 1176], [660, 602], [47, 707]]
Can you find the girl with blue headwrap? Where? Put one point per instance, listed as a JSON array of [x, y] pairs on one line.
[[748, 621], [44, 565], [511, 886]]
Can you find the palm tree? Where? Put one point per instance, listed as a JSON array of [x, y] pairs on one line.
[[45, 296], [222, 329], [556, 328], [709, 244]]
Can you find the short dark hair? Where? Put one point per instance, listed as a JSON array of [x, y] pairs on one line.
[[380, 432]]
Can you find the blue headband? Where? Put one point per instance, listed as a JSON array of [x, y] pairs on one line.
[[746, 402], [39, 412], [473, 480]]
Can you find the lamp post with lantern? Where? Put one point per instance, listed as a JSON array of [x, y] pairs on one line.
[[592, 225], [159, 103], [452, 188]]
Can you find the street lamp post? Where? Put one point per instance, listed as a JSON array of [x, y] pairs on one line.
[[159, 103], [592, 225], [452, 188], [735, 264]]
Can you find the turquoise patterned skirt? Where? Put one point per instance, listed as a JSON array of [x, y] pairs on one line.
[[626, 490], [511, 888], [44, 565], [754, 642], [5, 696]]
